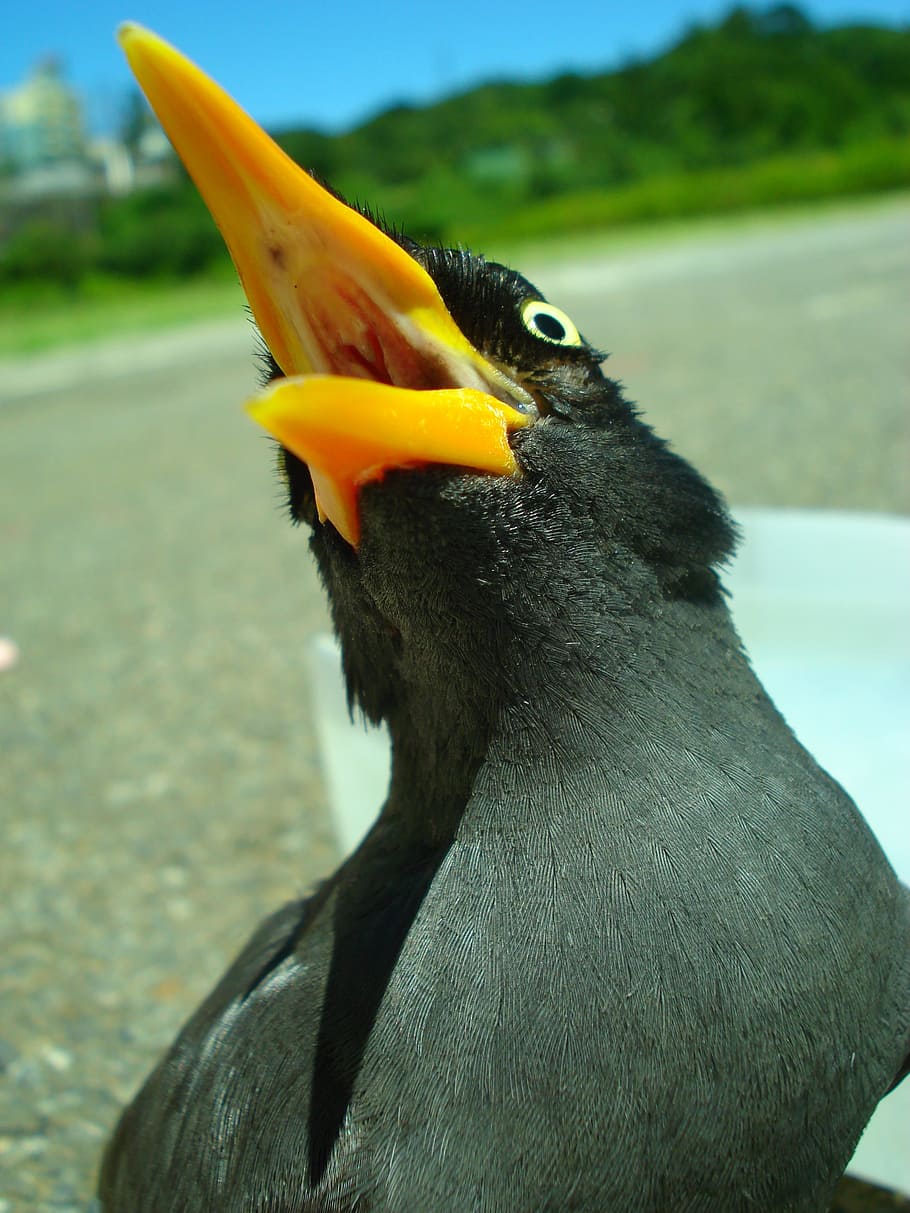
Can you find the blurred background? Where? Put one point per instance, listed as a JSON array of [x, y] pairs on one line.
[[720, 196], [490, 127]]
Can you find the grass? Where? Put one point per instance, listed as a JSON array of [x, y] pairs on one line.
[[868, 168], [35, 318], [582, 243]]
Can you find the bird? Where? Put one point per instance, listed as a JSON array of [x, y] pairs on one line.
[[615, 941]]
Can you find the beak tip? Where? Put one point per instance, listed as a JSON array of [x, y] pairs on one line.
[[126, 31], [257, 408]]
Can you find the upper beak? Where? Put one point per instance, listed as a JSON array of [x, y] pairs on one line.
[[333, 296]]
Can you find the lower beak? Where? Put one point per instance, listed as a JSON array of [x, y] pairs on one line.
[[378, 373]]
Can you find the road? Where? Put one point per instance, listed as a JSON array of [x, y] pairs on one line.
[[160, 790], [774, 358]]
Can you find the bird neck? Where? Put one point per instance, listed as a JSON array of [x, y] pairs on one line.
[[440, 741], [580, 685]]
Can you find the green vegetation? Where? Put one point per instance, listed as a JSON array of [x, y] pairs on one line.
[[161, 233], [756, 88], [36, 317], [761, 109], [778, 181]]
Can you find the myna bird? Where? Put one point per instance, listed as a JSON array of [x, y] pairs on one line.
[[615, 942]]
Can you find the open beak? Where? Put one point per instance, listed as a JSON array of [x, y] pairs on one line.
[[378, 373]]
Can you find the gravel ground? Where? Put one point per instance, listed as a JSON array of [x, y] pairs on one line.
[[158, 773]]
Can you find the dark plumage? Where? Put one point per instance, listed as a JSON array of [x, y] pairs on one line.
[[615, 942]]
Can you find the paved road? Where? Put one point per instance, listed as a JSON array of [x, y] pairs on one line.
[[775, 358], [159, 781]]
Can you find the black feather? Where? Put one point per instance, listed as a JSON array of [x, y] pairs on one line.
[[615, 942]]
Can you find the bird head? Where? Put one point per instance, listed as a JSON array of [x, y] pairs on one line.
[[475, 485]]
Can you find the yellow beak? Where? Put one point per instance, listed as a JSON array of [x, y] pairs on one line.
[[379, 374]]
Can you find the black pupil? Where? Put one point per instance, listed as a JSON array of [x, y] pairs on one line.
[[549, 326]]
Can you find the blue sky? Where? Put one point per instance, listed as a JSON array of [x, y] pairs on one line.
[[334, 63]]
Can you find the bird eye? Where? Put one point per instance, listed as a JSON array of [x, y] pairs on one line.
[[550, 323]]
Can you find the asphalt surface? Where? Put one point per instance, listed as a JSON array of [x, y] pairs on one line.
[[158, 776]]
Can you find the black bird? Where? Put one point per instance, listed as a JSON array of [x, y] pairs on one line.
[[616, 942]]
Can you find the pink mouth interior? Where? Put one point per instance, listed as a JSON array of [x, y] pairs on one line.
[[356, 338]]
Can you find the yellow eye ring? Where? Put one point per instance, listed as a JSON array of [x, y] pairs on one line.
[[549, 323]]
